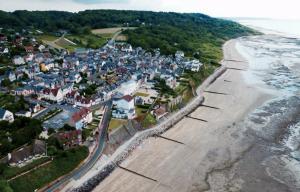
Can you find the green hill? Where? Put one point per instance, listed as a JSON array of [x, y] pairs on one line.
[[196, 34]]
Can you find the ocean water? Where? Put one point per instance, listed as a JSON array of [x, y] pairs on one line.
[[288, 28], [274, 66]]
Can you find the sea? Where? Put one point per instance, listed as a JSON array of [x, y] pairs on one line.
[[273, 162]]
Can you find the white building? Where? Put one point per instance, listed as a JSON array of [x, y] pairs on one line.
[[128, 88], [81, 118], [55, 95], [123, 108], [18, 60], [196, 65], [6, 115]]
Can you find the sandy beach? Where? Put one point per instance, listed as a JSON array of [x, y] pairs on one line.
[[193, 149]]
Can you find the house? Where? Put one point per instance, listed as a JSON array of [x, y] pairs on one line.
[[160, 112], [41, 48], [18, 60], [123, 108], [23, 114], [71, 97], [3, 38], [29, 49], [25, 91], [55, 94], [27, 154], [6, 115], [35, 107], [67, 88], [69, 139], [196, 65], [81, 118], [170, 80], [12, 76], [83, 102], [128, 88], [5, 51]]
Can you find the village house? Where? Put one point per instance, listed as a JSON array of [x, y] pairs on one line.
[[25, 91], [159, 112], [35, 107], [55, 94], [81, 118], [27, 154], [18, 60], [83, 102], [70, 97], [69, 139], [123, 108], [23, 114], [6, 115]]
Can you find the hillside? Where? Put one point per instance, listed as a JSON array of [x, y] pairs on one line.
[[196, 34]]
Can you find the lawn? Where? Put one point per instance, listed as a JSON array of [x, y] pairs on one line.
[[110, 30], [149, 121], [47, 37], [64, 163], [8, 172], [88, 40], [116, 123], [141, 94]]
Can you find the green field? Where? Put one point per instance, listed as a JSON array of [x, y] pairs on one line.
[[116, 123], [64, 163], [88, 40], [8, 172]]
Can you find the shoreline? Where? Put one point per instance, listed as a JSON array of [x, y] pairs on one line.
[[230, 53]]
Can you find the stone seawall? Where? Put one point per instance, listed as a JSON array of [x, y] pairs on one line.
[[123, 151]]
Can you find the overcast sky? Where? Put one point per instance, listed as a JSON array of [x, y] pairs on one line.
[[283, 9]]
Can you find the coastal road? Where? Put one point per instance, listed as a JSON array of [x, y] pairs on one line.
[[82, 170]]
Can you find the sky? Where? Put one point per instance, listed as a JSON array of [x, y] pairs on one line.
[[277, 9]]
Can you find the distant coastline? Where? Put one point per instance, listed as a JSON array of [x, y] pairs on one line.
[[286, 28]]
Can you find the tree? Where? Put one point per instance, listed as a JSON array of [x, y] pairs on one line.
[[4, 186], [51, 131], [5, 83], [67, 127]]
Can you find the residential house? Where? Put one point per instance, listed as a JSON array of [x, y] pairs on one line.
[[18, 60], [23, 114], [12, 76], [160, 112], [27, 154], [81, 118], [83, 102], [6, 115], [35, 107], [25, 91], [128, 88], [55, 94], [123, 108], [69, 139], [71, 97]]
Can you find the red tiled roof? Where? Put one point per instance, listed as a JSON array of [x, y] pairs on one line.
[[55, 91], [82, 113], [160, 111], [47, 91], [128, 98]]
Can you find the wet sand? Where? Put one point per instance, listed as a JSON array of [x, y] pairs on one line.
[[196, 151]]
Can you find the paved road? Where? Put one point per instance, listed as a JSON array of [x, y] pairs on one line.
[[101, 139]]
